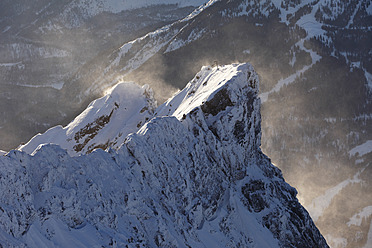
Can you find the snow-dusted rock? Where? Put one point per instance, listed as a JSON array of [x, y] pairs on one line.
[[195, 177], [105, 123]]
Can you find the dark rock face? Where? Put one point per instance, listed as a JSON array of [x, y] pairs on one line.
[[254, 192], [217, 104], [90, 131], [259, 195]]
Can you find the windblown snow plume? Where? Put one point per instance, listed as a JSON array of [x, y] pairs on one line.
[[192, 176]]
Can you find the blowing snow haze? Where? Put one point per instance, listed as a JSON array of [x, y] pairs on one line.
[[313, 58], [43, 44]]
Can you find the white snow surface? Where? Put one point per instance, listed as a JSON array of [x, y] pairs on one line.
[[204, 85], [368, 77], [362, 149], [178, 43], [198, 180], [20, 51], [57, 85], [358, 218], [309, 23], [287, 9], [11, 64], [369, 9], [351, 21], [2, 152], [105, 122], [369, 237]]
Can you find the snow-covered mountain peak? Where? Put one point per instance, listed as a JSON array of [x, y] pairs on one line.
[[202, 89], [198, 181], [104, 123]]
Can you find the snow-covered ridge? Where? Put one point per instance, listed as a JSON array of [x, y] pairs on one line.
[[198, 180], [205, 84], [105, 123], [126, 107]]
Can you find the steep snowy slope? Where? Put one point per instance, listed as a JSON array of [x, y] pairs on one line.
[[105, 123], [199, 180]]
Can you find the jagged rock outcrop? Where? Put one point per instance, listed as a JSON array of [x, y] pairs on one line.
[[194, 177]]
